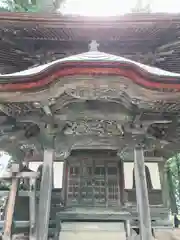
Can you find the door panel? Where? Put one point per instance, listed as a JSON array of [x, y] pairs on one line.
[[93, 183]]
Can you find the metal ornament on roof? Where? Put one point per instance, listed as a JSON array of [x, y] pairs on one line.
[[93, 46]]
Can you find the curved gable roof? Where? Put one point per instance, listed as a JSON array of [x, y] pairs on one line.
[[90, 63], [94, 56]]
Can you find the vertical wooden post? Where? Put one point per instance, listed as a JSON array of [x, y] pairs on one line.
[[64, 182], [142, 194], [121, 181], [32, 209], [10, 209], [106, 184], [127, 227], [45, 193], [11, 203], [164, 185]]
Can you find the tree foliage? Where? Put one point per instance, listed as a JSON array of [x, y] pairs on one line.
[[18, 6], [28, 5], [173, 174]]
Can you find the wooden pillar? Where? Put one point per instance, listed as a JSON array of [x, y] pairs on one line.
[[164, 184], [10, 209], [121, 181], [65, 181], [142, 195], [127, 227], [45, 191], [18, 156], [32, 209]]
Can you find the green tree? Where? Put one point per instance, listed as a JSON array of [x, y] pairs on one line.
[[18, 6], [29, 5], [173, 175]]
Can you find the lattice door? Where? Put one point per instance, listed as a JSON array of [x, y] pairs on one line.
[[93, 183]]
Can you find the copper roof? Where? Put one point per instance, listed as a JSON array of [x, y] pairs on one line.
[[28, 39], [52, 18], [146, 82], [130, 24]]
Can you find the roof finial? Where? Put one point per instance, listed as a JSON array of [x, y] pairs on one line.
[[93, 46]]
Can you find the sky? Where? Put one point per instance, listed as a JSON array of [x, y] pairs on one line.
[[4, 160], [115, 7]]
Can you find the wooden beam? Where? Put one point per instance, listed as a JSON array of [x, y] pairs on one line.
[[20, 175], [38, 157], [55, 20], [168, 45]]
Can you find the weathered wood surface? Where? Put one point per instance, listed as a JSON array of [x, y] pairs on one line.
[[10, 210], [94, 214], [32, 210], [155, 196], [20, 175], [142, 195], [45, 195], [116, 235]]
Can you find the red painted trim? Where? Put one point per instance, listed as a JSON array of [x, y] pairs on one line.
[[135, 77]]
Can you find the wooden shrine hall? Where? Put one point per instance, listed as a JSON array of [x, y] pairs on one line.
[[89, 132]]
